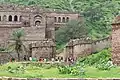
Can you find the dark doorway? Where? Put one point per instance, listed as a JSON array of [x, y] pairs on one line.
[[37, 23], [10, 18]]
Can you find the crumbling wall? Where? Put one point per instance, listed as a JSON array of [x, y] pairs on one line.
[[43, 49], [4, 57], [83, 47], [99, 45]]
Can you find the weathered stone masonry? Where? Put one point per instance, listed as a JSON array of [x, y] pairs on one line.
[[39, 25], [82, 47], [116, 41]]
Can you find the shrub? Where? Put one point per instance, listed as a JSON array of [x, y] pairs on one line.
[[74, 70], [94, 59], [17, 69], [64, 69], [105, 66]]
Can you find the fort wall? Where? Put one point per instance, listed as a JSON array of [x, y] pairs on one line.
[[82, 47]]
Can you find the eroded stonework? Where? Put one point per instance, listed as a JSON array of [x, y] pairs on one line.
[[39, 25], [116, 41]]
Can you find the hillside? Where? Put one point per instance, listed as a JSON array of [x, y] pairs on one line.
[[98, 14]]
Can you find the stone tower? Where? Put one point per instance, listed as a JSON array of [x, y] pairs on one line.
[[116, 41]]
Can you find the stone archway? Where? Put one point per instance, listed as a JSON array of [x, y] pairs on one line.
[[37, 20], [37, 23]]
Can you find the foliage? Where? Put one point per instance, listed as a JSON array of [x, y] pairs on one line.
[[101, 60], [13, 68], [74, 29], [105, 66], [73, 70], [64, 69], [41, 72], [2, 49], [97, 58], [18, 69]]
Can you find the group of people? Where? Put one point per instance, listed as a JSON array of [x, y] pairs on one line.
[[41, 59], [69, 59]]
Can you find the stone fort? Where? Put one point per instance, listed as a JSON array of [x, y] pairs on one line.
[[39, 25]]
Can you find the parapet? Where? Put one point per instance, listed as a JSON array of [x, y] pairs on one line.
[[80, 41], [43, 43], [74, 42]]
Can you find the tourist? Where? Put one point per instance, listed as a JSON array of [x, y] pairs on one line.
[[56, 59], [30, 58], [45, 60], [40, 59], [25, 58], [52, 59], [71, 60], [12, 59]]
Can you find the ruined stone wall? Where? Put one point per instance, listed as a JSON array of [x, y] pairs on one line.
[[82, 47], [5, 35], [38, 24], [101, 44], [116, 43], [82, 50], [43, 49], [4, 57]]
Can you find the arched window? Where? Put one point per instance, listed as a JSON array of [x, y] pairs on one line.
[[63, 19], [37, 23], [59, 19], [0, 18], [55, 19], [4, 18], [15, 18], [67, 20], [10, 18], [20, 19]]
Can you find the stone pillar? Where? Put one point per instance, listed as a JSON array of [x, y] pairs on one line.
[[7, 17], [18, 18], [12, 17]]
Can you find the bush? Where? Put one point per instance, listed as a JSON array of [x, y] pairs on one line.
[[98, 58], [18, 69], [105, 66], [73, 70], [64, 69], [14, 68], [2, 49]]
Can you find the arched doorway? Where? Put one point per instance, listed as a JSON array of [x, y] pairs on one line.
[[37, 23]]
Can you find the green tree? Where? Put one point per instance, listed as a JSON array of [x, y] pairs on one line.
[[17, 44], [73, 29]]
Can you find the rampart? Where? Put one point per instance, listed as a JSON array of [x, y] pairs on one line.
[[83, 47]]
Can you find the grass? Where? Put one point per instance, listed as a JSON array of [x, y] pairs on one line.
[[41, 72]]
